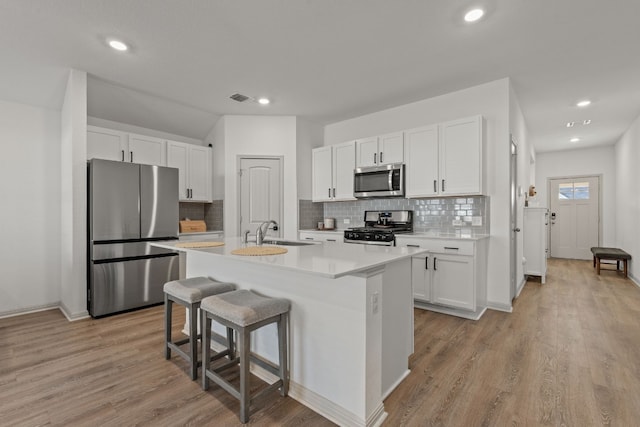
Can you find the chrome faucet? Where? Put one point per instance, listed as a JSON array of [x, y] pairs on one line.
[[260, 235]]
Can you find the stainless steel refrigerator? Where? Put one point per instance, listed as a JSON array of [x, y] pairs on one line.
[[129, 206]]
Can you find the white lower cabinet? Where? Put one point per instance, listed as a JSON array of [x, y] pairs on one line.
[[450, 277]]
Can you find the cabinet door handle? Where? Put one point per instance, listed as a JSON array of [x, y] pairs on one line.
[[451, 248], [308, 238], [329, 194], [374, 158], [434, 263], [131, 154], [334, 192], [426, 263], [435, 185], [122, 155], [187, 193], [331, 240], [191, 193], [443, 185], [381, 157]]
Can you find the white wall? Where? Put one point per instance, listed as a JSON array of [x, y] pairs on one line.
[[309, 135], [587, 161], [73, 195], [258, 136], [627, 205], [30, 214], [491, 100], [216, 138]]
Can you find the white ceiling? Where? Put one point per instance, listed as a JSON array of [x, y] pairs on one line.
[[327, 60]]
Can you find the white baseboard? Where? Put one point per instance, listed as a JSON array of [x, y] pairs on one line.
[[322, 405], [471, 315], [521, 286], [35, 309], [396, 384], [499, 306], [75, 316], [634, 280]]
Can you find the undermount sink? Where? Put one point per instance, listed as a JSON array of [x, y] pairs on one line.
[[288, 242]]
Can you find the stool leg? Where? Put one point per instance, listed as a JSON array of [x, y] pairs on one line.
[[206, 348], [167, 326], [282, 346], [230, 344], [244, 336], [193, 339]]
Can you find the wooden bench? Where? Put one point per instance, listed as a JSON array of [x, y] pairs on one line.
[[613, 254]]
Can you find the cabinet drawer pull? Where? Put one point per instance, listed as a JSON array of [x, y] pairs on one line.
[[331, 240], [308, 238], [451, 248], [413, 246]]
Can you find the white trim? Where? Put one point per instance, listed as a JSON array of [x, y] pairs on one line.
[[396, 384], [634, 280], [521, 286], [471, 315], [73, 317], [508, 308], [322, 405], [28, 310]]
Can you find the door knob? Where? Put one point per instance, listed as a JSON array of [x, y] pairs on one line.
[[517, 230]]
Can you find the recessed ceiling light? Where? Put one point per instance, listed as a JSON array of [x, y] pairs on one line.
[[263, 101], [118, 45], [570, 124], [586, 122], [574, 140], [473, 15], [583, 103]]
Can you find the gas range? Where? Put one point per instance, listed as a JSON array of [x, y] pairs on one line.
[[380, 228]]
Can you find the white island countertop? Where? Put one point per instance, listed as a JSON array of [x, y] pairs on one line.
[[332, 260]]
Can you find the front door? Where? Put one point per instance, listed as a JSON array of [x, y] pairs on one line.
[[575, 221], [260, 194]]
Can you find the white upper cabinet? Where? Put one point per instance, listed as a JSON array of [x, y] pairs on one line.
[[147, 150], [106, 144], [422, 161], [344, 162], [445, 159], [380, 150], [194, 165], [120, 146], [332, 172], [461, 157]]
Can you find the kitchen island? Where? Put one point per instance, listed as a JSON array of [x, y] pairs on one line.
[[351, 320]]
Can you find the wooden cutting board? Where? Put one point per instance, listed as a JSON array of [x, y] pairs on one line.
[[192, 226]]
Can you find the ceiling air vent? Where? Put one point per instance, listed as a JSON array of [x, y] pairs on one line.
[[239, 97]]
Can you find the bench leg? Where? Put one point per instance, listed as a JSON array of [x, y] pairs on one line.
[[594, 261], [598, 266], [625, 267]]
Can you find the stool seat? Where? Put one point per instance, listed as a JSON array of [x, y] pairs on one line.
[[244, 308], [195, 289]]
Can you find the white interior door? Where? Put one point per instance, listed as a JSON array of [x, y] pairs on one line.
[[574, 216], [260, 194]]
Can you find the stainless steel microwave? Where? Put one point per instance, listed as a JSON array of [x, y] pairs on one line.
[[379, 181]]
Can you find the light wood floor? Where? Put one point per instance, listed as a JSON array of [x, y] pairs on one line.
[[569, 355]]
